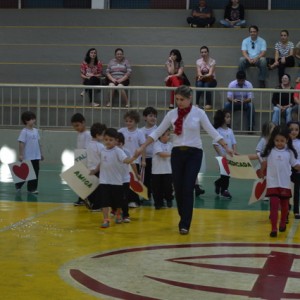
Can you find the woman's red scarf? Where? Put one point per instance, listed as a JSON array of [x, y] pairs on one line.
[[182, 112]]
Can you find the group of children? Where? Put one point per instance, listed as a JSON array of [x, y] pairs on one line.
[[109, 153]]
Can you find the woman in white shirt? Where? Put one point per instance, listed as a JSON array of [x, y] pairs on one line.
[[186, 156]]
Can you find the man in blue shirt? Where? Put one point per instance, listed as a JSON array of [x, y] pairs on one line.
[[241, 100], [254, 50], [202, 16]]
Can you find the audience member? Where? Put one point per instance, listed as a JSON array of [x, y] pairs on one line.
[[241, 100], [174, 66], [284, 54], [234, 15], [297, 53], [202, 16], [206, 76], [283, 102], [90, 72], [118, 73], [296, 108], [254, 50]]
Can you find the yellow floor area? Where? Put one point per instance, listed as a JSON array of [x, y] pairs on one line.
[[38, 241]]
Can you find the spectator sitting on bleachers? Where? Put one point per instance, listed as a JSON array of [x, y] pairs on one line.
[[241, 100], [284, 54], [202, 16], [296, 108], [234, 15], [118, 73], [174, 66], [90, 72], [283, 102], [297, 53], [254, 50], [206, 76]]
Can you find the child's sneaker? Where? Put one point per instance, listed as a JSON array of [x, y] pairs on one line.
[[132, 205], [226, 195], [34, 192], [217, 188], [126, 220], [112, 213], [79, 202], [169, 203], [119, 220], [105, 224]]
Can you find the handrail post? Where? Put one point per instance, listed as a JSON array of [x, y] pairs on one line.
[[187, 5], [19, 4], [269, 4], [38, 108]]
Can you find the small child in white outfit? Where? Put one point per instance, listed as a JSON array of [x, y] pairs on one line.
[[162, 172]]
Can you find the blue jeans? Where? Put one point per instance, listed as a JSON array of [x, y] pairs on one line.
[[228, 25], [261, 64], [186, 163], [203, 84], [248, 107], [277, 114]]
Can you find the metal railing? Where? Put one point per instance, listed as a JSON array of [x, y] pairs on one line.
[[106, 4], [54, 105]]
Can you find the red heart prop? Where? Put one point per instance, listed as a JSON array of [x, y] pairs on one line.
[[21, 171], [225, 165], [259, 189], [135, 185]]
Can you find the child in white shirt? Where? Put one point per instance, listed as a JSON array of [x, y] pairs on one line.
[[83, 139], [162, 172], [111, 177], [93, 159], [30, 149], [134, 138], [150, 117]]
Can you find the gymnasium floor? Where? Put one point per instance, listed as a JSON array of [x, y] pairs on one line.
[[53, 250]]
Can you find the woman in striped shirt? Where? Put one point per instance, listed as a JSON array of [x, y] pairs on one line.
[[284, 54]]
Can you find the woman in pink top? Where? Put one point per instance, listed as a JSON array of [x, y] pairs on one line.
[[206, 76], [90, 72]]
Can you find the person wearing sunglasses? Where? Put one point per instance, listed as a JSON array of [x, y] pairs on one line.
[[254, 50]]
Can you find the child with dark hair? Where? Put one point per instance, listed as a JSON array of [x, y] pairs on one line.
[[278, 157], [150, 117], [222, 121], [134, 138], [93, 159], [111, 177], [162, 172], [295, 137], [83, 139], [30, 149]]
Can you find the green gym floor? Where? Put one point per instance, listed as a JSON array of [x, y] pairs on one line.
[[53, 250]]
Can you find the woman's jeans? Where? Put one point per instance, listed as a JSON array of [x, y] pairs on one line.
[[186, 162], [277, 115], [202, 84]]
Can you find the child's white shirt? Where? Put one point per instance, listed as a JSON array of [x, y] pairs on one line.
[[279, 163], [161, 165], [111, 166], [133, 140], [147, 132], [93, 154], [83, 139], [30, 138], [228, 137]]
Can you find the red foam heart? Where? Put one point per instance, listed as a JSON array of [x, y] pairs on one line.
[[259, 189], [135, 185], [21, 171], [225, 165]]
